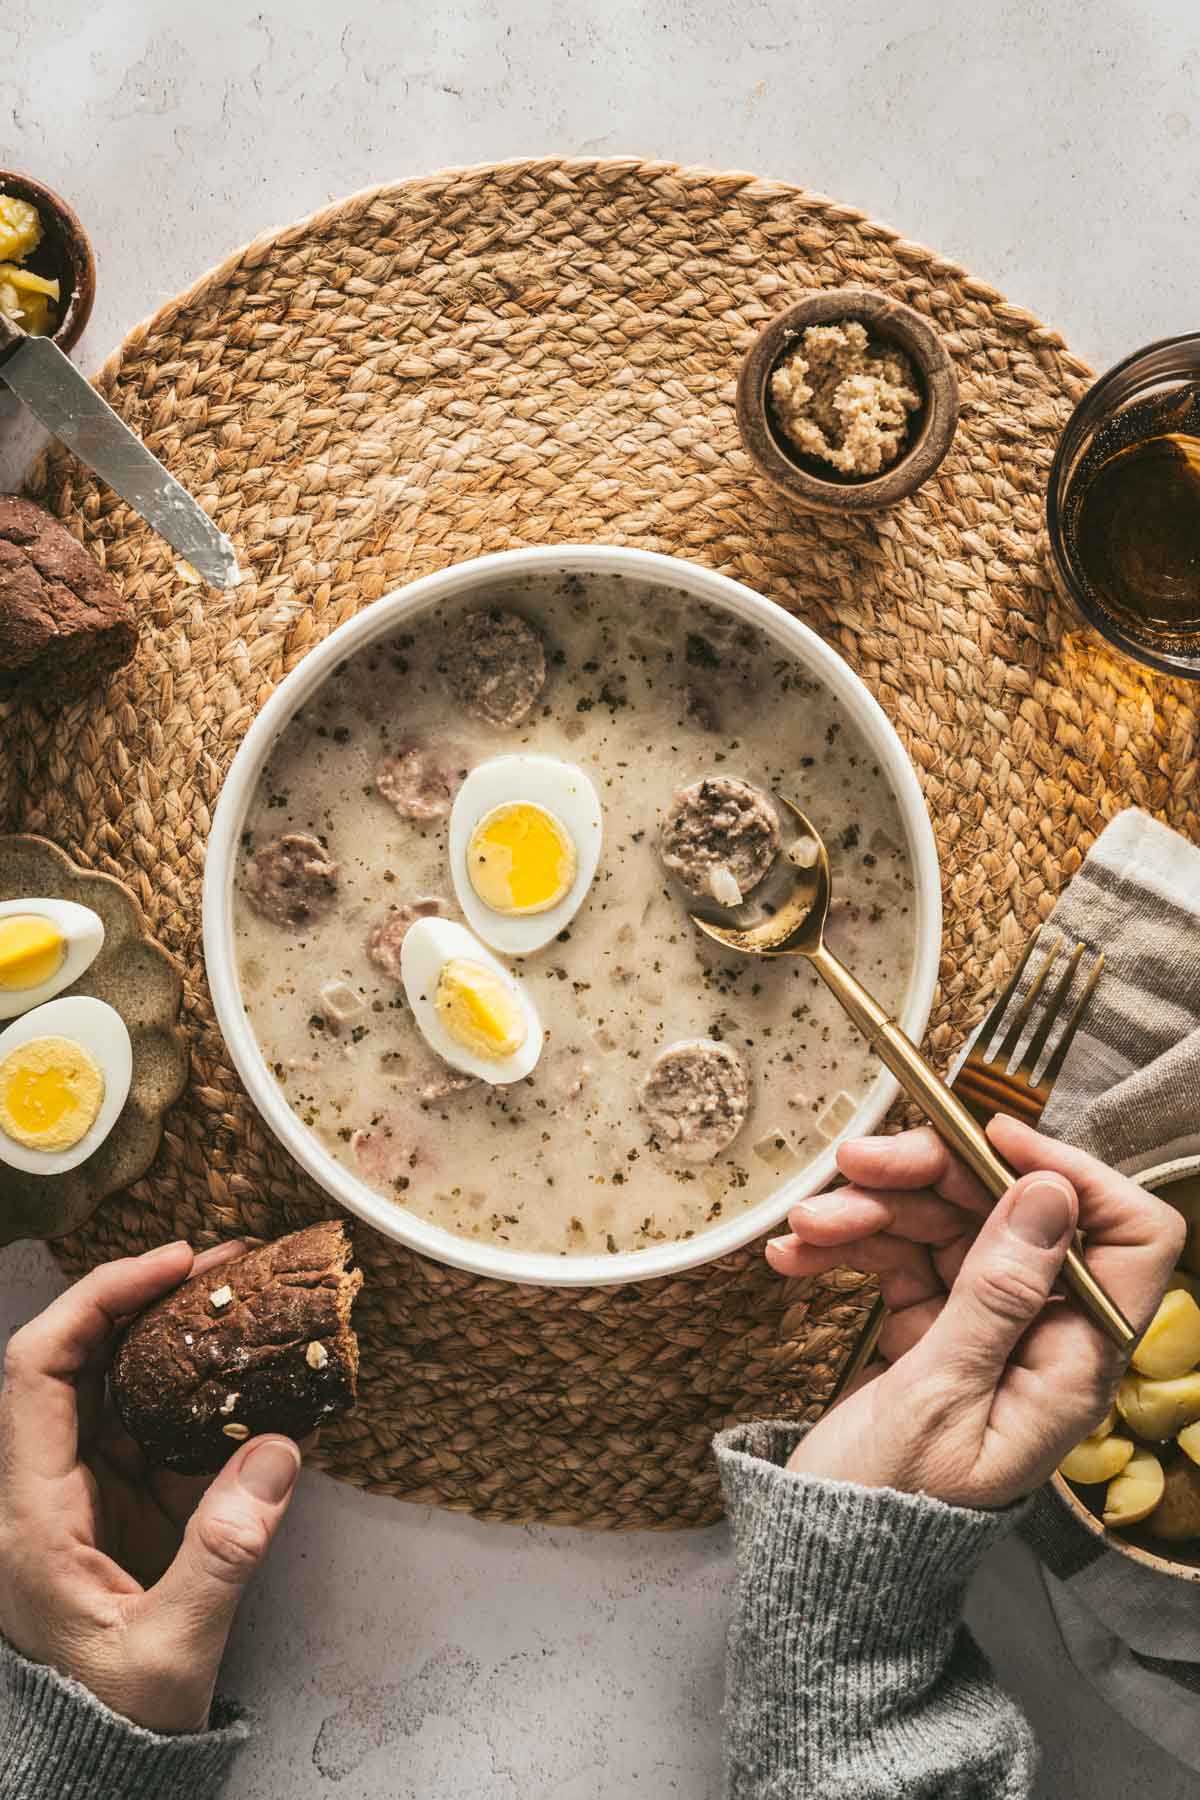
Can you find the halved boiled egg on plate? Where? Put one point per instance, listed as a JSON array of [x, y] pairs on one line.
[[525, 836], [45, 945], [469, 1008], [65, 1070]]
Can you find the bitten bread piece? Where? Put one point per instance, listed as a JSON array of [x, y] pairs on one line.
[[62, 622], [260, 1344]]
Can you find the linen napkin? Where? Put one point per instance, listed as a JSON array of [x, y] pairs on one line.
[[1130, 1093]]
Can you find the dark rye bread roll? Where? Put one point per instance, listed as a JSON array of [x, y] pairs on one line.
[[260, 1344], [63, 625]]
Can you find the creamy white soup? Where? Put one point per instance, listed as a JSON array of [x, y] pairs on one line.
[[625, 1134]]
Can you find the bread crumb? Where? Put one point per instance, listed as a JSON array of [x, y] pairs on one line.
[[316, 1356], [843, 397], [228, 1403], [221, 1296]]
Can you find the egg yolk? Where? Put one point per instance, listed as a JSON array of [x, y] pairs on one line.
[[520, 859], [50, 1093], [479, 1012], [31, 951]]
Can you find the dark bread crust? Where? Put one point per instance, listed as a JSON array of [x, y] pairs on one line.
[[63, 624], [179, 1363]]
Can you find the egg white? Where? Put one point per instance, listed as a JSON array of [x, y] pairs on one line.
[[102, 1032], [558, 788], [429, 944], [83, 932]]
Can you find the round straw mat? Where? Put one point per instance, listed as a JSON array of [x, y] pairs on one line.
[[516, 355]]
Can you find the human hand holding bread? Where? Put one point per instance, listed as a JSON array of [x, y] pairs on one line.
[[114, 1569], [990, 1378]]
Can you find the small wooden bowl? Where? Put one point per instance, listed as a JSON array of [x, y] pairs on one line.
[[1140, 1546], [64, 255], [805, 479]]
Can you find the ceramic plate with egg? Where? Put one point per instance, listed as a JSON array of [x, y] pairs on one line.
[[91, 1052]]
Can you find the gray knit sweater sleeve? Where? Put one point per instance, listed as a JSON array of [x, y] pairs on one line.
[[850, 1673], [58, 1742]]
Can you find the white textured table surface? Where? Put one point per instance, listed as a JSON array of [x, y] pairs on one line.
[[395, 1652]]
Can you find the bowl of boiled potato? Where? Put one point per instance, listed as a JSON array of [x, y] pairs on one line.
[[1135, 1481]]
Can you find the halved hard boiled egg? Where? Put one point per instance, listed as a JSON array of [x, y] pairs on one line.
[[469, 1008], [525, 835], [45, 945], [65, 1070]]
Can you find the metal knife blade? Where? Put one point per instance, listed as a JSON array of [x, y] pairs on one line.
[[68, 406]]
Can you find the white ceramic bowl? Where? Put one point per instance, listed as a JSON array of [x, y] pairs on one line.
[[483, 576]]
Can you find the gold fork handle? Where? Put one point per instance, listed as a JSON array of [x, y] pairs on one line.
[[922, 1084]]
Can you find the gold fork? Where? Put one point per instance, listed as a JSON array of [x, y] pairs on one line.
[[986, 1085]]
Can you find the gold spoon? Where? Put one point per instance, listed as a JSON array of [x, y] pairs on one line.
[[797, 928]]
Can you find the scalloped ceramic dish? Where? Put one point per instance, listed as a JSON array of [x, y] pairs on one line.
[[140, 980]]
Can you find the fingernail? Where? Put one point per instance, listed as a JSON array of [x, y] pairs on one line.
[[823, 1206], [781, 1243], [270, 1471], [1043, 1211], [165, 1249]]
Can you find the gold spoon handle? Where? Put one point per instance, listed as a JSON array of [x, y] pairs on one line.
[[962, 1132]]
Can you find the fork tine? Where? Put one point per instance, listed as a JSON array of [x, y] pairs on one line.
[[1052, 1010], [992, 1023], [1054, 1066], [1012, 1036]]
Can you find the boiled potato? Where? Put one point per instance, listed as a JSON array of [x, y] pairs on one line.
[[1177, 1515], [1136, 1491], [1189, 1441], [1157, 1409], [1170, 1344], [1107, 1424], [1096, 1460]]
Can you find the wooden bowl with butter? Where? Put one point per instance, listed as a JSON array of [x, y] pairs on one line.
[[877, 427], [62, 254]]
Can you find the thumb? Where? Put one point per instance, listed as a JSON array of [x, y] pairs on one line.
[[226, 1539], [1007, 1276]]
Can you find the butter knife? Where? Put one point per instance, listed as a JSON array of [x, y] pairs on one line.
[[70, 408]]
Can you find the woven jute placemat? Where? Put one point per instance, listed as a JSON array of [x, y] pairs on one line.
[[522, 354]]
